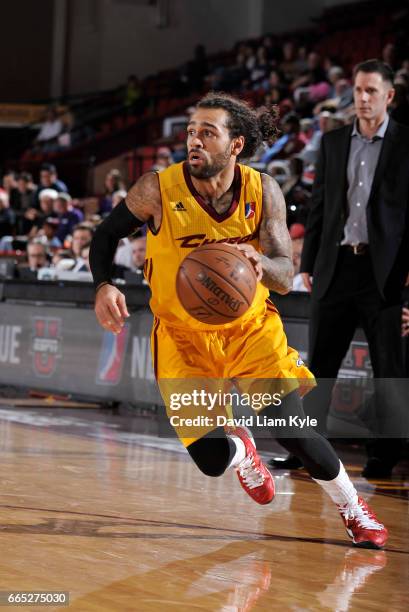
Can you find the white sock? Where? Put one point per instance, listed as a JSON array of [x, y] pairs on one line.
[[240, 451], [340, 489]]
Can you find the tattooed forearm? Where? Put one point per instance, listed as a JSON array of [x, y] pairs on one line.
[[277, 274], [275, 241]]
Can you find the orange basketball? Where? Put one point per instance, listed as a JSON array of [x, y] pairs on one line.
[[216, 284]]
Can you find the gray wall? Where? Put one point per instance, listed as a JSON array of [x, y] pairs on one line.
[[113, 38], [25, 44], [54, 47]]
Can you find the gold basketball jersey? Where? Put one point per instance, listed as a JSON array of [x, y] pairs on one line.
[[188, 222]]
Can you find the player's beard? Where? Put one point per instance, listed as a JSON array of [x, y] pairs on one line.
[[209, 169]]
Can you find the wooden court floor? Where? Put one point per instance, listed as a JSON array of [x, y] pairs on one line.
[[126, 526]]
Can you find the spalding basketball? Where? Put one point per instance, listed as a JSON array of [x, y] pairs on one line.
[[216, 283]]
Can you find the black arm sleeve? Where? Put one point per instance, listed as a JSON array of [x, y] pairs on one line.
[[119, 224]]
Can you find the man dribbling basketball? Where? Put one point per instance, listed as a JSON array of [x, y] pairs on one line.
[[213, 198]]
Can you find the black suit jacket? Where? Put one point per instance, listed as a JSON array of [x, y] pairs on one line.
[[387, 211]]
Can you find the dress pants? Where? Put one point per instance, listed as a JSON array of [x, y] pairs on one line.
[[353, 299]]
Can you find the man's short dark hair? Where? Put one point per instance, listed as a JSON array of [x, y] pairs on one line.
[[49, 168], [25, 176], [83, 226], [375, 65]]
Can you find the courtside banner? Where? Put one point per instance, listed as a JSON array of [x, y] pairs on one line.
[[65, 350]]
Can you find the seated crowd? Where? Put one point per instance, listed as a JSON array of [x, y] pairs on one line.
[[43, 227]]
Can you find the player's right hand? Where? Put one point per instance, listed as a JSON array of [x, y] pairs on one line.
[[110, 308], [307, 280]]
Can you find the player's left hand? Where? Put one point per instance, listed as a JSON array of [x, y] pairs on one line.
[[253, 256]]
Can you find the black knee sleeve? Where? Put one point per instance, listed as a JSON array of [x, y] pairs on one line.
[[212, 453], [315, 452]]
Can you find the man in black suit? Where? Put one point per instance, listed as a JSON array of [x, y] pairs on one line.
[[355, 258]]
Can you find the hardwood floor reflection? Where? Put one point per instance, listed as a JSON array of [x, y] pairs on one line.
[[123, 526]]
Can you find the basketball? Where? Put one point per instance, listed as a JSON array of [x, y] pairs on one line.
[[216, 284]]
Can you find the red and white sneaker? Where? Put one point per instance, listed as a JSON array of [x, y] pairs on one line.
[[253, 475], [362, 525]]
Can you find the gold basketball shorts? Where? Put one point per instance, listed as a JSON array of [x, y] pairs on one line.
[[254, 356]]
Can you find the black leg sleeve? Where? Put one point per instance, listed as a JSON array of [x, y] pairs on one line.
[[315, 452], [212, 453]]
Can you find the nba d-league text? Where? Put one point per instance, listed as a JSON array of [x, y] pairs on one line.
[[207, 401]]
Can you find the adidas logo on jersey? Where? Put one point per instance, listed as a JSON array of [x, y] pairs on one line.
[[178, 207]]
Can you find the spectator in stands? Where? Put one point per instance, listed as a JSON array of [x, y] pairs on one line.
[[260, 68], [195, 71], [24, 199], [275, 87], [81, 236], [288, 144], [138, 252], [288, 66], [355, 269], [334, 74], [272, 50], [47, 199], [68, 216], [113, 182], [341, 100], [84, 257], [82, 261], [309, 154], [7, 217], [10, 186], [50, 128], [117, 196], [301, 62], [296, 194], [49, 180], [26, 191], [399, 109], [163, 159], [63, 259], [66, 137], [48, 233], [402, 78], [37, 255], [389, 55], [133, 94], [312, 86]]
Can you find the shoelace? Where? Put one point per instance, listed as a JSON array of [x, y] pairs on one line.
[[251, 476], [362, 516]]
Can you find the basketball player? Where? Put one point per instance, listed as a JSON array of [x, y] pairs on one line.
[[208, 198]]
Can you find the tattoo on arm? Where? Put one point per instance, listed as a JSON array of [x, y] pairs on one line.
[[275, 241], [144, 199]]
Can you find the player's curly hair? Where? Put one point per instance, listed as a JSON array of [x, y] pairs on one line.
[[255, 126]]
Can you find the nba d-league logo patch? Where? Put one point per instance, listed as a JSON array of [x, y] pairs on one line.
[[46, 345], [249, 210], [111, 357]]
